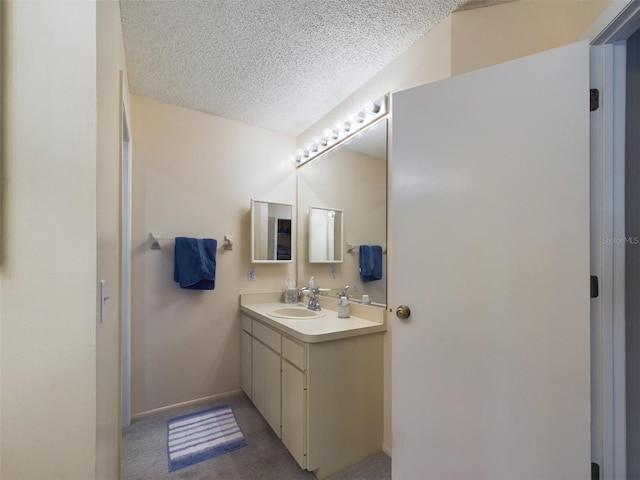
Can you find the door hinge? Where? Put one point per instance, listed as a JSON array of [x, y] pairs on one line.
[[595, 471], [594, 287], [594, 99]]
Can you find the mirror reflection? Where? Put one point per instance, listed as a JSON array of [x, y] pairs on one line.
[[353, 179], [271, 225], [325, 235]]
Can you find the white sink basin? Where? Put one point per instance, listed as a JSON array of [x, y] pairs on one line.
[[296, 313]]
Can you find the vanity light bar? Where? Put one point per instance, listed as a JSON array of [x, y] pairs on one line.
[[343, 130]]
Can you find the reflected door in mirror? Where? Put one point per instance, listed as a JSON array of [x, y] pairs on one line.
[[283, 238], [325, 235], [271, 229]]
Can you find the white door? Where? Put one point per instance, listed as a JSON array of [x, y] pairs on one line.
[[490, 232]]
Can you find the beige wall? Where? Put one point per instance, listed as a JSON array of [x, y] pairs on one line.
[[489, 36], [111, 62], [194, 175], [48, 270]]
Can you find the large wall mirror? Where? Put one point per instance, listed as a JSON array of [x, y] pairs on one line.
[[271, 233], [350, 180]]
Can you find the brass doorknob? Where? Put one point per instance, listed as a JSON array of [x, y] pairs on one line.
[[403, 312]]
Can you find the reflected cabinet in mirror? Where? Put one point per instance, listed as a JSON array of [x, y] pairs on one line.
[[271, 225], [351, 182], [325, 235]]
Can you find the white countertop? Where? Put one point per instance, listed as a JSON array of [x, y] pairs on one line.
[[328, 327]]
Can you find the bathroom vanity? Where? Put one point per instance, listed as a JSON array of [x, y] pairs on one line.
[[316, 379]]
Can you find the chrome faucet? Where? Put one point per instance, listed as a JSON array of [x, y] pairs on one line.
[[314, 301], [345, 290]]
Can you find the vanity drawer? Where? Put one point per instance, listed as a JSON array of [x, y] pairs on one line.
[[245, 322], [270, 338], [294, 353]]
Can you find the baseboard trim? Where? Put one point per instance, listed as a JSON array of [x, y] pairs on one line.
[[386, 449], [210, 398]]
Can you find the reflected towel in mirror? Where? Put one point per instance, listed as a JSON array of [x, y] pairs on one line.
[[370, 262]]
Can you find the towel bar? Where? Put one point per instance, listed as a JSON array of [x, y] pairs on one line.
[[351, 248], [156, 237]]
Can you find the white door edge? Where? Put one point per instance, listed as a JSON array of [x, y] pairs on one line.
[[125, 294], [608, 72]]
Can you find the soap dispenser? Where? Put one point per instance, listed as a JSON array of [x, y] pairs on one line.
[[344, 308]]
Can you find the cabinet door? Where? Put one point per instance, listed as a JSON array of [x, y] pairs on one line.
[[258, 374], [245, 362], [265, 383], [294, 396]]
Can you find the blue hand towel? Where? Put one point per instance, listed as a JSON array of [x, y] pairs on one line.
[[370, 262], [195, 263]]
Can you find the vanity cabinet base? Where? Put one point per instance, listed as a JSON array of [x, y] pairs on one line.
[[330, 394], [344, 401]]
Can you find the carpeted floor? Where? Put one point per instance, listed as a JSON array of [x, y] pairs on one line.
[[144, 452]]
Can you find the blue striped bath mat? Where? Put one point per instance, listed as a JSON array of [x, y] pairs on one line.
[[203, 435]]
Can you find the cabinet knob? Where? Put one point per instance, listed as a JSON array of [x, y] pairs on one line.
[[403, 312]]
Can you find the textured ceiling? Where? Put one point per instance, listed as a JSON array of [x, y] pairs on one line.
[[278, 64]]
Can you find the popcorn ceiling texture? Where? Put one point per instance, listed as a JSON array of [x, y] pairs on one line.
[[277, 64]]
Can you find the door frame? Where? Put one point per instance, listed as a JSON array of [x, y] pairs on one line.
[[608, 75], [608, 261]]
